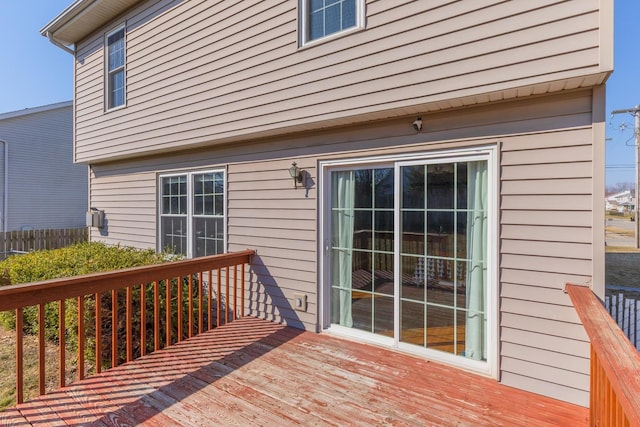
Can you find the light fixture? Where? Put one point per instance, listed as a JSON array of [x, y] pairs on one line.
[[297, 174], [417, 124]]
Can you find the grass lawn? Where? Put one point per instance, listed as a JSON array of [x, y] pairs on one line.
[[621, 249], [8, 363], [620, 231]]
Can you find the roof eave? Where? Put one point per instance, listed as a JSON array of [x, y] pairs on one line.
[[82, 18], [64, 18]]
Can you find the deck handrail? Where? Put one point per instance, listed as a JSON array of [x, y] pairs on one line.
[[615, 363], [28, 294], [187, 282]]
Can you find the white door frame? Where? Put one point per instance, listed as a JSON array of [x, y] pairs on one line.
[[488, 153]]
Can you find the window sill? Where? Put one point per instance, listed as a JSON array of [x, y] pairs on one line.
[[329, 38], [120, 107]]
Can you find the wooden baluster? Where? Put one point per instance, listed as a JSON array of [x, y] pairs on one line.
[[156, 316], [200, 311], [98, 333], [219, 299], [143, 321], [200, 318], [210, 301], [226, 306], [129, 326], [242, 292], [190, 305], [179, 298], [615, 400], [19, 355], [114, 328], [235, 292], [41, 349], [168, 313], [80, 338], [62, 330]]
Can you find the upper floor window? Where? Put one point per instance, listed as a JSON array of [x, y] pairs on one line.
[[115, 78], [322, 18]]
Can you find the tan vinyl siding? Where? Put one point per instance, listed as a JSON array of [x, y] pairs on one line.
[[129, 202], [545, 218], [201, 72]]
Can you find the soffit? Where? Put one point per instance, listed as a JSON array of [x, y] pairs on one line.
[[83, 17]]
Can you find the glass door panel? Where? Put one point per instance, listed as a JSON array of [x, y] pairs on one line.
[[438, 298], [443, 248], [362, 249]]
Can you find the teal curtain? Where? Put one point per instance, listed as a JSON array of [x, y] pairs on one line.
[[476, 281], [343, 184]]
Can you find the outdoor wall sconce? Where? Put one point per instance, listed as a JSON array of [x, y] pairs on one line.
[[417, 124], [297, 174]]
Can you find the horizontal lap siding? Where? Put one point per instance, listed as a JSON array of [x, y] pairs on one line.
[[45, 189], [545, 216], [546, 240], [198, 71], [281, 225], [129, 202]]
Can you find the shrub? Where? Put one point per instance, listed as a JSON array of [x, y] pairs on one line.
[[79, 259]]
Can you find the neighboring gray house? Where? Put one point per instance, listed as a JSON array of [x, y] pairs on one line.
[[40, 186], [450, 161]]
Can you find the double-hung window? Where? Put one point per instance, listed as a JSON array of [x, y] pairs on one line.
[[115, 68], [323, 18], [192, 213]]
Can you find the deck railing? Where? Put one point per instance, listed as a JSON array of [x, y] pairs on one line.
[[615, 364], [167, 303]]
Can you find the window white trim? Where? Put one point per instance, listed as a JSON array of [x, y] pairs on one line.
[[120, 69], [304, 38], [488, 153], [190, 215]]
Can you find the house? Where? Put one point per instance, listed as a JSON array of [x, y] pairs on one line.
[[40, 186], [423, 175], [620, 201]]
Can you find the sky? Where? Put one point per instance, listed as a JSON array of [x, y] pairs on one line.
[[34, 72]]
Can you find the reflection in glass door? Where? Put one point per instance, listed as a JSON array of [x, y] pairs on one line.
[[432, 225], [443, 257], [362, 279]]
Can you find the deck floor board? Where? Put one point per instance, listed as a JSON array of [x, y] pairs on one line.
[[254, 372]]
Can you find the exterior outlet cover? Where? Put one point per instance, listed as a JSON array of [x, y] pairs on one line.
[[300, 302]]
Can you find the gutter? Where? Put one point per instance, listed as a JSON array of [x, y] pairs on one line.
[[68, 16], [59, 44]]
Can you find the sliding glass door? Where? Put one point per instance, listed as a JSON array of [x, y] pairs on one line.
[[409, 252]]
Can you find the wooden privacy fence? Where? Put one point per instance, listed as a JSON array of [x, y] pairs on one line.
[[624, 308], [33, 240], [615, 363], [125, 314]]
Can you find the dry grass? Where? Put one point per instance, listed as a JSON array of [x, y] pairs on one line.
[[8, 368], [620, 231], [621, 249]]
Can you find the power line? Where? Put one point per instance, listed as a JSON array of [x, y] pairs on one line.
[[636, 131]]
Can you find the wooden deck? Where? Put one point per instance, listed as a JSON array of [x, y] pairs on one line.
[[254, 372]]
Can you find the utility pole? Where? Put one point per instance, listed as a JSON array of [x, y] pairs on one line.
[[636, 132]]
